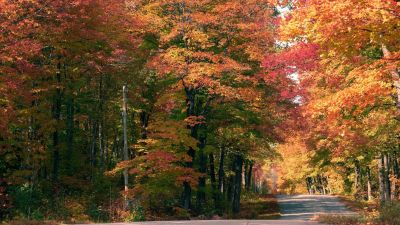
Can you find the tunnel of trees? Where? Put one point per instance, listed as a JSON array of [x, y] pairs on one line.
[[116, 110]]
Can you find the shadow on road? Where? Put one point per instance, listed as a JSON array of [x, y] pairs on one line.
[[305, 207]]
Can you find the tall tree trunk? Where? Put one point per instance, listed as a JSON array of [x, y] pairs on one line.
[[57, 117], [93, 152], [321, 183], [386, 176], [221, 172], [249, 176], [187, 190], [202, 165], [369, 187], [101, 122], [124, 116], [144, 120], [381, 177], [237, 186], [70, 134], [356, 178], [396, 172], [309, 185], [213, 179]]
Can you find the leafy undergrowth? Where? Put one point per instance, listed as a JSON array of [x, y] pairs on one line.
[[360, 206], [259, 207], [341, 219]]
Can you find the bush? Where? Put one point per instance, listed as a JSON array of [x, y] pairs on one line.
[[390, 214], [27, 202]]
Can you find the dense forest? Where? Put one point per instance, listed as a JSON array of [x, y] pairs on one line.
[[128, 110]]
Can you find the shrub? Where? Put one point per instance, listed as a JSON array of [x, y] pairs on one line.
[[390, 214]]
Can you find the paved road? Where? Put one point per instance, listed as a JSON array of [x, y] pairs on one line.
[[305, 207], [224, 222], [295, 210]]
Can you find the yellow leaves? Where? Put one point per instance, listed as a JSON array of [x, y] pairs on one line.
[[121, 166], [196, 38], [294, 165], [339, 24], [167, 134]]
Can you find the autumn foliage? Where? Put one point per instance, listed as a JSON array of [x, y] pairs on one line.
[[347, 89], [198, 113], [214, 93]]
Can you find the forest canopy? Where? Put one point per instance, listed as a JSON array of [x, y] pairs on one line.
[[127, 110]]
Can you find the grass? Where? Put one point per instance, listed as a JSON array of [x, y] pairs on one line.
[[263, 207], [360, 206], [341, 219]]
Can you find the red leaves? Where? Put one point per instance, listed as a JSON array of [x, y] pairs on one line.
[[283, 68], [301, 57]]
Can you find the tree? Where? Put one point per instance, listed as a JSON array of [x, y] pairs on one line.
[[347, 95]]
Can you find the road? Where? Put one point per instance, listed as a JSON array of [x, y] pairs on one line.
[[305, 207], [295, 210], [223, 222]]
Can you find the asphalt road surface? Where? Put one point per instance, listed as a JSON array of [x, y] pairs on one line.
[[295, 210], [305, 207], [223, 222]]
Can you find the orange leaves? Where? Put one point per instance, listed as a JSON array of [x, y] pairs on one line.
[[343, 24], [201, 42], [349, 89], [188, 175], [194, 120]]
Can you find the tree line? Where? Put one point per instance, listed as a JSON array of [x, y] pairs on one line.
[[167, 98], [346, 54]]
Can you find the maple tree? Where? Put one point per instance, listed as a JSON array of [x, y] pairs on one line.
[[191, 69], [200, 45]]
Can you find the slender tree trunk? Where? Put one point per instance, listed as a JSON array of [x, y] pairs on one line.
[[309, 185], [70, 134], [369, 188], [396, 172], [221, 172], [57, 117], [101, 122], [237, 186], [202, 165], [124, 116], [144, 120], [213, 179], [187, 190], [386, 176], [93, 152], [322, 185], [249, 176], [356, 178], [381, 177]]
